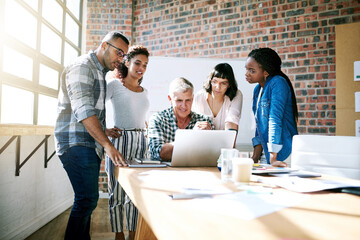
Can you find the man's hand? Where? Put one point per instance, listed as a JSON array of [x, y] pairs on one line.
[[113, 132], [202, 125], [257, 153], [115, 156], [166, 151], [93, 126]]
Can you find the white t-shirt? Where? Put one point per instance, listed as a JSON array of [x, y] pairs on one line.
[[129, 109], [230, 110]]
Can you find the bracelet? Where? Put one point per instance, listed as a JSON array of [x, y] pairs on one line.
[[231, 129]]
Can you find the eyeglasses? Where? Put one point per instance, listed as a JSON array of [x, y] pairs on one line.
[[119, 52], [221, 84]]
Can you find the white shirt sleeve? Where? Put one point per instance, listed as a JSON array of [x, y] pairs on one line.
[[234, 112], [109, 90]]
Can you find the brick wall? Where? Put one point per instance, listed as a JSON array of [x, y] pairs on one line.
[[102, 17], [302, 32]]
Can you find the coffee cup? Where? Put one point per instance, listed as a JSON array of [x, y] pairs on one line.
[[241, 169]]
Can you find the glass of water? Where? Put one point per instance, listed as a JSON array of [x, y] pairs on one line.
[[227, 154]]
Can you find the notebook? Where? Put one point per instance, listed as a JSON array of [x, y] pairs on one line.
[[144, 163], [199, 148], [268, 169]]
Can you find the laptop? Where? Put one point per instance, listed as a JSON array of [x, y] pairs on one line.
[[200, 148]]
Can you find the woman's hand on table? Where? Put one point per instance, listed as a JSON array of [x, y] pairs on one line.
[[257, 153], [274, 162]]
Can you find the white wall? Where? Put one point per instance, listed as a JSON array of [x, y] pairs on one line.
[[162, 70], [29, 201]]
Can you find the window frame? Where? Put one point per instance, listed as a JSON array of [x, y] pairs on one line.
[[36, 55]]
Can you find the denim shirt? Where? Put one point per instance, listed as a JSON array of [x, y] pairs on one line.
[[275, 125]]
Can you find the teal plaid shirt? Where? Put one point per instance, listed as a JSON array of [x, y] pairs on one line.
[[162, 128]]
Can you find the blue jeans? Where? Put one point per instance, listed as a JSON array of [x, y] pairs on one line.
[[82, 165]]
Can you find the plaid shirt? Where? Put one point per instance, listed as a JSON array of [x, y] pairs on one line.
[[82, 95], [162, 127]]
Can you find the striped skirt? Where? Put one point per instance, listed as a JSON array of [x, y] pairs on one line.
[[131, 144]]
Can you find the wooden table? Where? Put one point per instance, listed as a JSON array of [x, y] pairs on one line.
[[323, 215]]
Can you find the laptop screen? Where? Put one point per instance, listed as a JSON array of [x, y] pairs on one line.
[[200, 148]]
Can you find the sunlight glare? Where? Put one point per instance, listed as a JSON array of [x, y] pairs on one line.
[[17, 105]]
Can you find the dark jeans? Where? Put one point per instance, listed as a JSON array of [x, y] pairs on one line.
[[82, 165]]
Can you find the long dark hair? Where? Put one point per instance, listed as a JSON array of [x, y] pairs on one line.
[[271, 62], [223, 70], [133, 51]]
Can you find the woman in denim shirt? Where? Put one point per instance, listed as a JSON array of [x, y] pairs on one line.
[[274, 106]]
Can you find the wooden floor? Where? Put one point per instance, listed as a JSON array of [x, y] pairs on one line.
[[100, 225]]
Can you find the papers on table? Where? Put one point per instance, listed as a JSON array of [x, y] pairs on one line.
[[297, 184], [190, 193], [174, 180], [204, 191], [268, 169], [300, 173], [247, 206]]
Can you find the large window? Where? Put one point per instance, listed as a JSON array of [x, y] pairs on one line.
[[37, 39]]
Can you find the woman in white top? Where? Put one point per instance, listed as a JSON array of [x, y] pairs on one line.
[[220, 98], [130, 104]]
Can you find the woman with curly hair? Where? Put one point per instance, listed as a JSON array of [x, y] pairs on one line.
[[130, 104]]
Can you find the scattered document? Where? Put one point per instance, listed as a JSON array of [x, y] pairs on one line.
[[179, 180], [245, 205], [189, 193], [304, 185], [357, 101], [264, 169], [357, 71], [300, 173]]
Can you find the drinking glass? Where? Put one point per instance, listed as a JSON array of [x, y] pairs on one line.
[[227, 154]]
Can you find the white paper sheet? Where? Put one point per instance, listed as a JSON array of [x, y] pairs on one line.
[[204, 193], [357, 101], [247, 206], [357, 71], [182, 180], [297, 184]]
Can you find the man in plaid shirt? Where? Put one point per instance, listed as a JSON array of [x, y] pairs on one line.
[[162, 125], [80, 127]]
